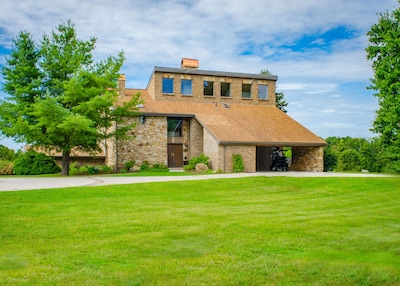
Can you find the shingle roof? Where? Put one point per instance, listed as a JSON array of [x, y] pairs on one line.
[[238, 124]]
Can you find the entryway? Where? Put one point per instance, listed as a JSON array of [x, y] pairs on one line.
[[175, 155]]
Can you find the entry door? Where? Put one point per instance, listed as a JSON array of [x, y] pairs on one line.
[[175, 155]]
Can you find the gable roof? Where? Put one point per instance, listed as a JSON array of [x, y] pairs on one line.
[[237, 124]]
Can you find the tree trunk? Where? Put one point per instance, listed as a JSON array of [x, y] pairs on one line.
[[65, 163]]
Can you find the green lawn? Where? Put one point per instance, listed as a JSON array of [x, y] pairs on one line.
[[248, 231]]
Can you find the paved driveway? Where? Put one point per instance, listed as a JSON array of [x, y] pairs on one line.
[[34, 183]]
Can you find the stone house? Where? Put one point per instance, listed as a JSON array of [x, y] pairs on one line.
[[188, 111]]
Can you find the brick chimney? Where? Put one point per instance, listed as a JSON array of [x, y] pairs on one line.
[[121, 84], [189, 63]]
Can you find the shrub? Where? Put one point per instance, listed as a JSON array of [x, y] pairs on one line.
[[196, 160], [158, 168], [238, 165], [105, 169], [145, 166], [73, 169], [33, 163], [6, 168], [349, 160], [128, 165]]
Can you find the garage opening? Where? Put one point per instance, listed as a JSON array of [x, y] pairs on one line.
[[272, 158]]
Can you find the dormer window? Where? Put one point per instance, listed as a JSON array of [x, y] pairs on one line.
[[186, 87], [208, 88], [225, 89], [262, 91], [168, 85]]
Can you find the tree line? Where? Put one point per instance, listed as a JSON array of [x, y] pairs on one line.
[[357, 154]]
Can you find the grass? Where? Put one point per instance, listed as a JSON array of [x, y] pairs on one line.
[[248, 231]]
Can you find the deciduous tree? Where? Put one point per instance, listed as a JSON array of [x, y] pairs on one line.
[[384, 53]]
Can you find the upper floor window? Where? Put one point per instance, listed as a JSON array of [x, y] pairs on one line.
[[225, 89], [208, 88], [246, 90], [186, 86], [167, 85], [263, 91]]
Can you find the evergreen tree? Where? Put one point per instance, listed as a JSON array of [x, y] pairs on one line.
[[58, 97]]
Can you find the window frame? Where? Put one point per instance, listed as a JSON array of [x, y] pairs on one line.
[[210, 82], [259, 94], [245, 92], [228, 90], [183, 89], [175, 123], [165, 88]]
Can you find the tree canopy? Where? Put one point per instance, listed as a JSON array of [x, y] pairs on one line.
[[59, 98], [384, 53]]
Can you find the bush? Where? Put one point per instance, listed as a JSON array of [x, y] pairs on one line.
[[145, 166], [128, 165], [158, 168], [6, 168], [196, 160], [88, 169], [33, 163], [349, 160], [238, 165]]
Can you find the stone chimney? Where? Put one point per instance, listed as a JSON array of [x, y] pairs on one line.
[[121, 84], [189, 64]]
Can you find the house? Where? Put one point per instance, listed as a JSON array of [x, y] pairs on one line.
[[188, 111]]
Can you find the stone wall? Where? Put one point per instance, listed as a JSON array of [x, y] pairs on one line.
[[149, 143], [198, 93], [248, 154], [196, 139], [309, 159]]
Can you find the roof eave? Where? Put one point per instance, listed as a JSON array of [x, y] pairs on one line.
[[281, 144]]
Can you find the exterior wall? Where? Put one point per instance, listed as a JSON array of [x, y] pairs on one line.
[[248, 154], [309, 159], [211, 150], [155, 85], [195, 139], [111, 151], [151, 87], [149, 144]]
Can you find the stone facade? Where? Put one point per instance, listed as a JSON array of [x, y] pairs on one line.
[[307, 159], [149, 142]]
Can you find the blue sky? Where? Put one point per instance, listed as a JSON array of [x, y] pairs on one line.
[[315, 47]]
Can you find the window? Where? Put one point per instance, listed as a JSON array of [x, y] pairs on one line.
[[263, 91], [167, 85], [186, 86], [174, 127], [246, 90], [225, 89], [208, 87]]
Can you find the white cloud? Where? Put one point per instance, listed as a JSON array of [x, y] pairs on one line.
[[227, 35]]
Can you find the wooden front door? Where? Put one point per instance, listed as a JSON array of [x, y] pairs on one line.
[[175, 155]]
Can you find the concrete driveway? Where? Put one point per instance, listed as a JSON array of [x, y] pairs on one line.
[[35, 183]]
